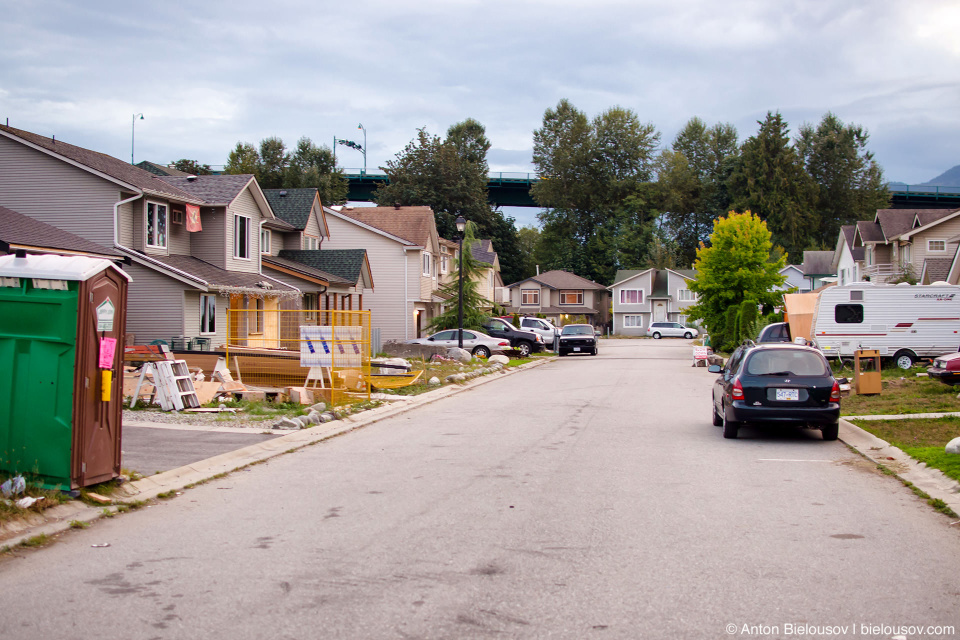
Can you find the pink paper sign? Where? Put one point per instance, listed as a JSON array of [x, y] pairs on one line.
[[108, 347]]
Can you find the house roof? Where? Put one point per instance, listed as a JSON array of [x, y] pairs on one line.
[[791, 266], [817, 263], [483, 252], [23, 232], [848, 232], [350, 265], [292, 205], [894, 222], [215, 277], [413, 224], [927, 219], [306, 270], [660, 289], [869, 231], [161, 170], [214, 189], [101, 163], [560, 279], [936, 269], [626, 274]]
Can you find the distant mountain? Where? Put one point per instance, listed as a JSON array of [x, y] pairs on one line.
[[949, 178]]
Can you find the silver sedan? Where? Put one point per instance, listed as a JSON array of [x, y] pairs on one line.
[[479, 344]]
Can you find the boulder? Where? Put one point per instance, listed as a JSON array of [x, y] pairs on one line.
[[403, 350], [459, 354], [434, 381], [953, 446], [313, 417], [319, 407], [498, 359], [287, 423]]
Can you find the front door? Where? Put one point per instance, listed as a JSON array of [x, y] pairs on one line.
[[660, 312]]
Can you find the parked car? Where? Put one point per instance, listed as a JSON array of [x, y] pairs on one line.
[[544, 328], [577, 338], [526, 342], [775, 332], [946, 368], [477, 343], [776, 383], [659, 330]]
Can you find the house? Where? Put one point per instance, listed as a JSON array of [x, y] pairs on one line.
[[193, 242], [642, 296], [489, 280], [20, 232], [404, 250], [847, 260], [559, 296], [795, 280], [817, 269], [904, 243]]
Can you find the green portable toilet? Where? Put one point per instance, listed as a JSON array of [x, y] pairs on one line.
[[61, 353]]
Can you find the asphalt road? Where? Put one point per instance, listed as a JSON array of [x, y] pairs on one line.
[[150, 450], [587, 498]]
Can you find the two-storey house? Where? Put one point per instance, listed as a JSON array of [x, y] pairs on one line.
[[847, 260], [642, 296], [559, 296], [899, 243], [22, 233]]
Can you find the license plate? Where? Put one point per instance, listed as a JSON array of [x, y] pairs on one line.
[[788, 394], [576, 348]]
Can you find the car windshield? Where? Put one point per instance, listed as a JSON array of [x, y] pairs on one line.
[[783, 362], [577, 330]]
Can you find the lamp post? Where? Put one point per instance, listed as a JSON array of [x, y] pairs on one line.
[[461, 226], [360, 126], [133, 122]]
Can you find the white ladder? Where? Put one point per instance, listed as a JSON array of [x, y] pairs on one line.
[[172, 384]]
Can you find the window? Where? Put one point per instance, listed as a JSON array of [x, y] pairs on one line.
[[936, 245], [176, 216], [632, 321], [310, 243], [685, 295], [848, 313], [443, 263], [156, 224], [241, 237], [264, 240], [571, 296], [491, 280], [856, 294], [529, 296], [631, 296], [426, 263], [258, 317], [208, 313], [310, 306]]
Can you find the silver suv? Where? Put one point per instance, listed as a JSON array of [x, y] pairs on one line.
[[543, 328], [659, 330]]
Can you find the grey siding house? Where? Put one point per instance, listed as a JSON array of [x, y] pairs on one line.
[[642, 296]]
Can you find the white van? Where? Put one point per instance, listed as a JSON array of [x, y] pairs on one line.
[[902, 321]]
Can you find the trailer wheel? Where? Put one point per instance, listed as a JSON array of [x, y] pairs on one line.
[[905, 358]]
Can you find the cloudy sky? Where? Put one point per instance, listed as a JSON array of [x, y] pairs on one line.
[[206, 75]]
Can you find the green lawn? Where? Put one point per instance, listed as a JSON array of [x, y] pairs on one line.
[[922, 439]]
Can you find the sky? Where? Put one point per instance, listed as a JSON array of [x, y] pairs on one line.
[[206, 75]]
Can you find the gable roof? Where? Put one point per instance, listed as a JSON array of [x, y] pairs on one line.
[[214, 189], [483, 252], [18, 231], [869, 231], [213, 276], [161, 170], [935, 269], [292, 205], [817, 263], [302, 269], [895, 222], [791, 266], [351, 265], [416, 225], [626, 274], [107, 166], [925, 222], [560, 279]]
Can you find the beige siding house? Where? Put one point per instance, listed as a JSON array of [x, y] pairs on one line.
[[919, 243], [560, 296]]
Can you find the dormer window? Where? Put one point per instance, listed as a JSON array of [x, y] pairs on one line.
[[156, 225]]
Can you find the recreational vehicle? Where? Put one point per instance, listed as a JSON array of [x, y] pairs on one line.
[[904, 322]]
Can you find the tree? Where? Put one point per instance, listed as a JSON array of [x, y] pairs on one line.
[[849, 182], [735, 267], [528, 241], [476, 308], [192, 167], [770, 181], [273, 163], [244, 159], [313, 166]]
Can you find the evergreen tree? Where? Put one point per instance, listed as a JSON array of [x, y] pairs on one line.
[[192, 167], [476, 308]]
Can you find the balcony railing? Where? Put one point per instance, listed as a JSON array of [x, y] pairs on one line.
[[881, 273]]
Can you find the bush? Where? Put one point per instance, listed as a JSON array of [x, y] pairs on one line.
[[731, 328], [748, 319]]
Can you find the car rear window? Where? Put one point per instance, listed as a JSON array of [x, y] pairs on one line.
[[786, 362], [577, 330]]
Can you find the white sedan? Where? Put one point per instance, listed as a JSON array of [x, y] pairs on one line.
[[479, 344]]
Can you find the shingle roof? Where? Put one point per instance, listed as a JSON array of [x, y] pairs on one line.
[[937, 269], [101, 162], [560, 279], [483, 251], [214, 189], [292, 205], [893, 222], [300, 267], [217, 277], [18, 229], [817, 263], [870, 231], [626, 274], [413, 224], [848, 231], [660, 289], [161, 170], [343, 263]]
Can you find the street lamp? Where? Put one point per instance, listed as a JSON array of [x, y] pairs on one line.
[[360, 126], [461, 226], [133, 121]]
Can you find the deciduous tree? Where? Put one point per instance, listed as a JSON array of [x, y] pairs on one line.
[[192, 167]]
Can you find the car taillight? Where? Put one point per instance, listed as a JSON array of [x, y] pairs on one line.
[[503, 343], [737, 392], [835, 392]]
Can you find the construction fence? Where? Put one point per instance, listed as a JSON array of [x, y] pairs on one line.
[[325, 351]]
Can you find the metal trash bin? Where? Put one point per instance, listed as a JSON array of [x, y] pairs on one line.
[[61, 343]]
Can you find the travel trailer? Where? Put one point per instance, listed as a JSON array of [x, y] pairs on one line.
[[903, 321]]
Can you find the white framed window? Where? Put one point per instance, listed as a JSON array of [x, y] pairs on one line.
[[156, 224], [685, 295], [630, 322], [310, 306], [265, 237], [443, 263], [310, 243], [426, 263], [631, 296], [241, 237], [868, 254], [571, 296], [529, 296], [491, 281], [208, 313], [936, 245]]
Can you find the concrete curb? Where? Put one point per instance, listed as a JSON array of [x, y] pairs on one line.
[[931, 481], [178, 479]]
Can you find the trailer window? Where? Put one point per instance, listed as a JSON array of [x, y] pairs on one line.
[[848, 313], [856, 295]]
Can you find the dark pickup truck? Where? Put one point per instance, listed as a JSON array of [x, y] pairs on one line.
[[526, 342]]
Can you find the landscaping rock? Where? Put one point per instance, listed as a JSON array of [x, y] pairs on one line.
[[313, 417], [434, 381], [420, 351], [287, 423], [320, 407], [459, 354], [498, 359], [953, 446], [327, 417]]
